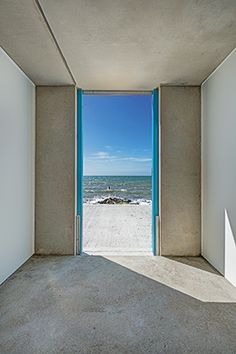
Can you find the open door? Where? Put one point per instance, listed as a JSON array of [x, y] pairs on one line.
[[79, 224], [155, 172]]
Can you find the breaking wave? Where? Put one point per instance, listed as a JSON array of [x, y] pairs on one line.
[[117, 200]]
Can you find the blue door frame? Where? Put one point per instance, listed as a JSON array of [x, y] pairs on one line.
[[155, 169], [79, 171]]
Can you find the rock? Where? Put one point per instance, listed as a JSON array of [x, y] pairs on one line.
[[114, 200]]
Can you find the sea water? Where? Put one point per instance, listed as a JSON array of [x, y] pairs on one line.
[[137, 189]]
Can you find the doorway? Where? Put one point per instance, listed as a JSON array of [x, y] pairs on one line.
[[117, 172]]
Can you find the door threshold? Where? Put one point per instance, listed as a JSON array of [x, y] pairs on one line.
[[118, 253]]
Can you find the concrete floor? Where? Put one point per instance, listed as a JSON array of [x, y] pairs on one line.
[[117, 229], [93, 304]]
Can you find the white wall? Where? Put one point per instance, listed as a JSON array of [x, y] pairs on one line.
[[219, 168], [17, 126]]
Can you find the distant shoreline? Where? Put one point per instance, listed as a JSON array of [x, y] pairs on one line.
[[117, 176]]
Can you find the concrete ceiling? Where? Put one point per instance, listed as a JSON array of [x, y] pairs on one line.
[[118, 44], [27, 40]]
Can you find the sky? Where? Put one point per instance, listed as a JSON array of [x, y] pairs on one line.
[[117, 137]]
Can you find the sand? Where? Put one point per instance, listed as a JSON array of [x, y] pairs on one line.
[[117, 229]]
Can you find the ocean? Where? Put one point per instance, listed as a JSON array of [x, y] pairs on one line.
[[137, 189]]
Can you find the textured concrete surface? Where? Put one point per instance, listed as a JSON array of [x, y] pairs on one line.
[[26, 38], [139, 44], [92, 304], [119, 229], [133, 44], [180, 114], [55, 169]]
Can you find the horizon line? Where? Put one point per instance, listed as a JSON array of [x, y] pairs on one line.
[[117, 175]]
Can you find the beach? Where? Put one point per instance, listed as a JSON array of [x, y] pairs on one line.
[[117, 229]]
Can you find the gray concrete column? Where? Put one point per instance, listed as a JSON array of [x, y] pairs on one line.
[[180, 117], [55, 169]]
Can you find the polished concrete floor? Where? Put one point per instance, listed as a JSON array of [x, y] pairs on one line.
[[94, 304]]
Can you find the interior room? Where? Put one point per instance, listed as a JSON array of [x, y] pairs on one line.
[[56, 298]]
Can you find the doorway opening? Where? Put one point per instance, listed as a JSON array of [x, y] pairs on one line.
[[117, 158]]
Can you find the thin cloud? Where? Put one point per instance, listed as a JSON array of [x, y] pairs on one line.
[[138, 159], [104, 155], [101, 154]]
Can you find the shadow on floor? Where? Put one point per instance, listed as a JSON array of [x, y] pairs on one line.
[[91, 304]]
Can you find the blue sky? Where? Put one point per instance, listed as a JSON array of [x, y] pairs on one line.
[[117, 135]]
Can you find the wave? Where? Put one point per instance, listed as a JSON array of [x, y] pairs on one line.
[[142, 202], [113, 190], [117, 200]]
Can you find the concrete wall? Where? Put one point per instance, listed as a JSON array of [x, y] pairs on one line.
[[55, 170], [219, 168], [180, 116], [17, 130]]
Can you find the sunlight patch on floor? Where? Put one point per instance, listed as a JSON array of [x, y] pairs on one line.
[[192, 276]]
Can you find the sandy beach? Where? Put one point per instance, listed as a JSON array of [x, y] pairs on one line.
[[117, 229]]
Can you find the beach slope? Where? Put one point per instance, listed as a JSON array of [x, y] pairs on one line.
[[117, 229]]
